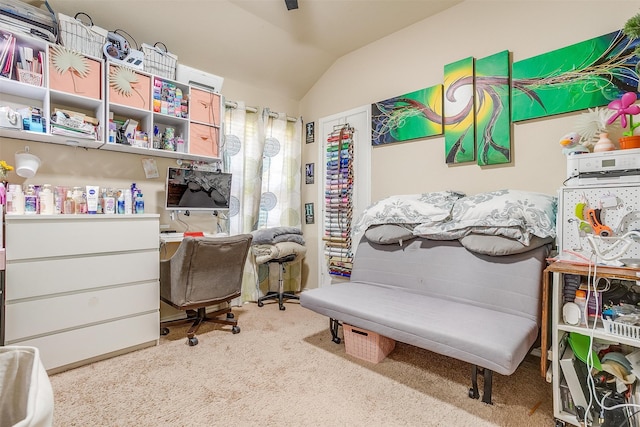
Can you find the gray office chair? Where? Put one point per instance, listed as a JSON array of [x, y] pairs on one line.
[[204, 272]]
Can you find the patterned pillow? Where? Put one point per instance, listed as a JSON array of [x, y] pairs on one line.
[[425, 208], [511, 213]]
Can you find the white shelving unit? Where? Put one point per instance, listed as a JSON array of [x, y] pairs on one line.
[[618, 206], [560, 329], [98, 99]]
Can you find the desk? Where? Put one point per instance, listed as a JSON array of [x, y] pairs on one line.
[[169, 242]]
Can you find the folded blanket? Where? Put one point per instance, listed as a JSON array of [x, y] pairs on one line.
[[264, 253], [268, 235]]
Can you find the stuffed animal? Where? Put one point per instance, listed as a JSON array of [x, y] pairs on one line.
[[571, 144]]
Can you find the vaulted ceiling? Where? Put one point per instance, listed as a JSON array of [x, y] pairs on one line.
[[257, 42]]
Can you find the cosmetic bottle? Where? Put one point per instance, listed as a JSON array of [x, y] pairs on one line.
[[128, 202], [46, 200], [109, 202], [30, 201], [58, 200], [121, 202], [139, 205], [69, 204], [15, 200]]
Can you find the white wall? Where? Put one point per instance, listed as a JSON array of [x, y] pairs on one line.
[[414, 58]]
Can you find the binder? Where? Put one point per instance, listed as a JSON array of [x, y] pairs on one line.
[[575, 373]]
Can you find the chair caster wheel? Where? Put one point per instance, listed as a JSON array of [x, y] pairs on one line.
[[282, 307], [235, 330], [336, 340], [230, 315], [164, 331], [192, 341], [260, 303], [473, 394]]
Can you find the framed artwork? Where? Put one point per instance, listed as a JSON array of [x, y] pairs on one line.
[[309, 173], [309, 217], [459, 114], [493, 112], [410, 116], [587, 74], [310, 132]]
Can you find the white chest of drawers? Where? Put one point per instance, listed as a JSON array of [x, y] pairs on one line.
[[81, 287]]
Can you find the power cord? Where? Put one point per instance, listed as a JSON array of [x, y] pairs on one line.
[[591, 284]]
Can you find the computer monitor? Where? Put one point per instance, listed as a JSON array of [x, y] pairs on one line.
[[197, 190]]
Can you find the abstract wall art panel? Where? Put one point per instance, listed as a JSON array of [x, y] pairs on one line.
[[587, 74], [493, 113], [410, 116], [459, 112]]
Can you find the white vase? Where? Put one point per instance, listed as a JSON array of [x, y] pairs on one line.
[[603, 144]]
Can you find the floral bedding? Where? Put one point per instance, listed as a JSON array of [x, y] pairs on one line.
[[425, 208], [449, 215]]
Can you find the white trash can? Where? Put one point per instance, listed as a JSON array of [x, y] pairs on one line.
[[26, 396]]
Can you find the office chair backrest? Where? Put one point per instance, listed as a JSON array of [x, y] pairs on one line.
[[207, 269]]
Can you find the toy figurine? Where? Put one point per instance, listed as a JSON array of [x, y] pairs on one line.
[[571, 144]]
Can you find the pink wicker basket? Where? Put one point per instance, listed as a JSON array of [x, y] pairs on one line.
[[366, 345]]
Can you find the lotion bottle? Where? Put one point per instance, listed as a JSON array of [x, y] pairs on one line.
[[69, 204], [46, 200]]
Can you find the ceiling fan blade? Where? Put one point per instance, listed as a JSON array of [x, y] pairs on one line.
[[291, 4]]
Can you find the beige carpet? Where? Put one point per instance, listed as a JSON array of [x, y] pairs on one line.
[[284, 370]]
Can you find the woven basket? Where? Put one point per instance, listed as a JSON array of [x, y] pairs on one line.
[[366, 345]]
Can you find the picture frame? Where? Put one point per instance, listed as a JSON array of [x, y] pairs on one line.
[[310, 132], [309, 216], [309, 173]]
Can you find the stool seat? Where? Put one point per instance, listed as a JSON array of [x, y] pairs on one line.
[[288, 258], [281, 296]]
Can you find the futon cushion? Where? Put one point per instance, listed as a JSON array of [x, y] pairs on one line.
[[483, 337]]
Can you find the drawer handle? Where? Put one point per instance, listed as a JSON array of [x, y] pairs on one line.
[[204, 138], [204, 104]]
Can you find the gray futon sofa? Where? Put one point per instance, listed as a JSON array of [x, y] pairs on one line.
[[438, 295]]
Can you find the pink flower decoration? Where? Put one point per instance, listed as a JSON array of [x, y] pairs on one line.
[[622, 106]]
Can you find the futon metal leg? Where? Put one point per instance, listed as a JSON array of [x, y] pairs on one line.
[[333, 327], [487, 384]]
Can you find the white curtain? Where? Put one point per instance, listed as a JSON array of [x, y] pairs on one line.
[[263, 151], [242, 157], [280, 203]]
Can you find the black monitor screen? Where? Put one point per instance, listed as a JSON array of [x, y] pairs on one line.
[[190, 189]]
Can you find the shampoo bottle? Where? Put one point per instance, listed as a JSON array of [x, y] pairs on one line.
[[121, 202], [139, 203]]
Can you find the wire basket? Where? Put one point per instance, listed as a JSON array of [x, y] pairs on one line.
[[86, 39], [365, 344], [159, 61]]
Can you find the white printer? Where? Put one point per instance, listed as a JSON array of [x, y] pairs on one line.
[[604, 168]]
